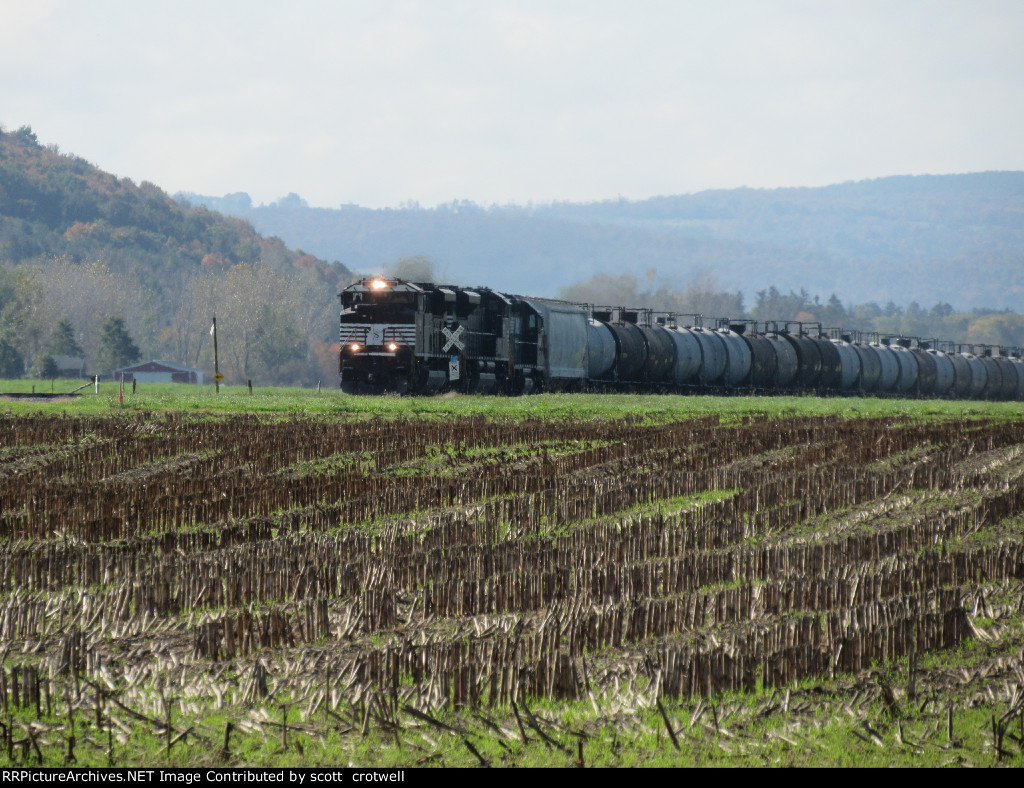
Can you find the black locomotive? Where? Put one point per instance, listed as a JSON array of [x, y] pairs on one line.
[[423, 338]]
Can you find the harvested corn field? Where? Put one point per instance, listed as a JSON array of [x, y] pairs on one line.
[[482, 587]]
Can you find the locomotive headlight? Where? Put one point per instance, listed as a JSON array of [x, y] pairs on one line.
[[392, 347], [355, 347], [378, 284]]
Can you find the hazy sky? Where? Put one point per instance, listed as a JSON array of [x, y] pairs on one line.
[[376, 102]]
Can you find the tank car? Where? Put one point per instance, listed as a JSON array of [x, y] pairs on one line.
[[961, 372], [1008, 374], [688, 358], [1018, 365], [979, 372], [849, 362], [787, 362], [737, 356], [764, 363], [714, 357], [945, 371], [808, 356], [927, 370]]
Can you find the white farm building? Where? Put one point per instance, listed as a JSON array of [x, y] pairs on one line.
[[159, 372]]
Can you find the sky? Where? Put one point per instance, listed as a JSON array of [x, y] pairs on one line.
[[382, 103]]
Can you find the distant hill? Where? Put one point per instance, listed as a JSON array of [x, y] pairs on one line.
[[929, 239], [56, 204]]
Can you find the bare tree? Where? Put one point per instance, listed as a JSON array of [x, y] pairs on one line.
[[412, 269], [87, 294]]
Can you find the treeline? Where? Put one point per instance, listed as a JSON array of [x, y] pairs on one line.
[[271, 329], [80, 247], [703, 296]]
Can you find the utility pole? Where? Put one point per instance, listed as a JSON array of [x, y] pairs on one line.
[[217, 377]]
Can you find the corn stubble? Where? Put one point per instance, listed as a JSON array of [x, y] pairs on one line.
[[386, 572]]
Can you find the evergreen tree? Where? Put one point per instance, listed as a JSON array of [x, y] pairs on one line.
[[116, 346], [12, 365], [46, 368], [833, 313], [62, 341]]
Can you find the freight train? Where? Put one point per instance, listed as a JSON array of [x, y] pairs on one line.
[[423, 338]]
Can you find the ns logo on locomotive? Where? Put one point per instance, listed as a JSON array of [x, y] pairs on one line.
[[423, 338]]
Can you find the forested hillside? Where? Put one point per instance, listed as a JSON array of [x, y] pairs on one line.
[[924, 239], [82, 246]]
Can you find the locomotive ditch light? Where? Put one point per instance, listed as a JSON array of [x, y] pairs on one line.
[[392, 347], [355, 347], [378, 284]]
